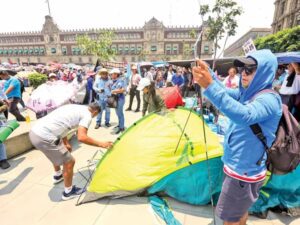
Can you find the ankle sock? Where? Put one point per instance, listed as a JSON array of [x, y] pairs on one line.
[[68, 189], [58, 173]]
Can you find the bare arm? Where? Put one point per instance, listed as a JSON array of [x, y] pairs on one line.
[[84, 138], [9, 90], [118, 91]]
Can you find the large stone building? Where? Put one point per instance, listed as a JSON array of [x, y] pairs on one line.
[[236, 49], [286, 15], [152, 42]]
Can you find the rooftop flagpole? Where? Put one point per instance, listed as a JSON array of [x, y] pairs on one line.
[[47, 1]]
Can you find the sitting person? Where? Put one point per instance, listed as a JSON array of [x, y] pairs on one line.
[[152, 102]]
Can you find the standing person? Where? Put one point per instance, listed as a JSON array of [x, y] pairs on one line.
[[177, 79], [49, 135], [79, 85], [118, 88], [151, 74], [279, 78], [170, 75], [134, 82], [187, 81], [159, 82], [290, 86], [3, 157], [232, 80], [12, 90], [244, 175], [152, 102], [103, 89], [89, 87]]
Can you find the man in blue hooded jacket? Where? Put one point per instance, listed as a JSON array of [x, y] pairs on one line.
[[244, 176]]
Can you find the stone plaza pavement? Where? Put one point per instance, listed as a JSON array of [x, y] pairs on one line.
[[28, 197]]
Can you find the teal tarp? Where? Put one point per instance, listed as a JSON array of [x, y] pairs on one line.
[[190, 184], [281, 190], [161, 208]]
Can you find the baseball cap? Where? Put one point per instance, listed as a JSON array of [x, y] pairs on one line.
[[115, 70], [52, 75], [241, 62], [144, 82]]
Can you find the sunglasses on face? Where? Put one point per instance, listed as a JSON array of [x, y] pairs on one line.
[[248, 70]]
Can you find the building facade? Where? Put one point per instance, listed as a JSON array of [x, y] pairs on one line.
[[286, 14], [236, 49], [152, 42]]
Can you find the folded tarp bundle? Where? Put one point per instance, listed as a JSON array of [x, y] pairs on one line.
[[7, 129]]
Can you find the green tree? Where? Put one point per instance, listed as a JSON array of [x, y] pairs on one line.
[[221, 22], [187, 51], [283, 41], [36, 79], [101, 47]]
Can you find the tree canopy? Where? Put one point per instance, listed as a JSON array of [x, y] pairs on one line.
[[221, 21], [283, 41], [101, 47]]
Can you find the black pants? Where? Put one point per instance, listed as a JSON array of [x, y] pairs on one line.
[[134, 92], [13, 109]]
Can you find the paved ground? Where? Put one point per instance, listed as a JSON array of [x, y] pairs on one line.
[[27, 196]]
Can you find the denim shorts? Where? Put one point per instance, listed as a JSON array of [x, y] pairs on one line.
[[236, 198]]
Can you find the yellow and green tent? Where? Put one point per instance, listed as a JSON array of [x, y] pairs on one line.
[[146, 158]]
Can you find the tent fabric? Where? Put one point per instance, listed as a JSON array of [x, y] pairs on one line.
[[161, 208], [145, 153], [195, 189], [280, 190], [171, 96]]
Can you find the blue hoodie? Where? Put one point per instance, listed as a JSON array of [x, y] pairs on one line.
[[242, 149]]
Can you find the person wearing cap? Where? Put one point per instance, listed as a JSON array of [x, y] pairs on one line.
[[134, 82], [52, 77], [152, 102], [102, 87], [245, 106], [118, 88]]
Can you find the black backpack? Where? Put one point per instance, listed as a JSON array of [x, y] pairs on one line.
[[284, 154]]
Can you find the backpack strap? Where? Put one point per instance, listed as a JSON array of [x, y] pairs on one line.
[[256, 129], [262, 92]]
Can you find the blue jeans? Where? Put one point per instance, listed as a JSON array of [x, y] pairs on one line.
[[2, 152], [104, 107], [120, 112]]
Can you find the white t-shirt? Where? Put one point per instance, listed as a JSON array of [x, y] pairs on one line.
[[59, 122], [170, 76], [294, 89]]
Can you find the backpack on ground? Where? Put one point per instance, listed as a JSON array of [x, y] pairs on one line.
[[284, 154]]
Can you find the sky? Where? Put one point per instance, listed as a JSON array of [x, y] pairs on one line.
[[29, 15]]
